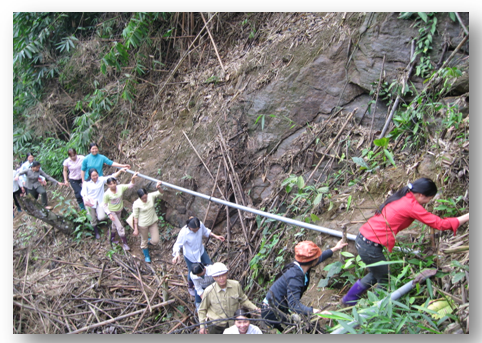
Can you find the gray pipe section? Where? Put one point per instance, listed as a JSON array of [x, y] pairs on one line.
[[248, 209], [394, 296]]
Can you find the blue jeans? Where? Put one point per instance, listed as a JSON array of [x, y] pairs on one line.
[[369, 253], [204, 260]]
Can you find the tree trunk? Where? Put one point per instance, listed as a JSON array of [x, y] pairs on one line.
[[35, 209]]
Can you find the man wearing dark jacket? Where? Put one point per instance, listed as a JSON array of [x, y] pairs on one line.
[[286, 292]]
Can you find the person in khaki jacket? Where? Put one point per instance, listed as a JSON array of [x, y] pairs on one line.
[[220, 300]]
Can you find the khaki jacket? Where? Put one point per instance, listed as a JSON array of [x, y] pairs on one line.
[[219, 304]]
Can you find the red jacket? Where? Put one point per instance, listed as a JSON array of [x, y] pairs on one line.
[[397, 216]]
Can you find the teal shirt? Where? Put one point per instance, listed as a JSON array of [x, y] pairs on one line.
[[95, 161]]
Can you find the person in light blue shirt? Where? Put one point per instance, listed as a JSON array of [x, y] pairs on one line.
[[97, 161]]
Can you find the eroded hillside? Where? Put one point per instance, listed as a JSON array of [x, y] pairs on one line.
[[279, 112]]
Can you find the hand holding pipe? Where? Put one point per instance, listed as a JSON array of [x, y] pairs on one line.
[[251, 210]]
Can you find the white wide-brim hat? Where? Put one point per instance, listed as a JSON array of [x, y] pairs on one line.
[[217, 269]]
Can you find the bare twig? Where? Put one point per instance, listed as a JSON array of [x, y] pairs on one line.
[[331, 144], [461, 23], [86, 328], [212, 41]]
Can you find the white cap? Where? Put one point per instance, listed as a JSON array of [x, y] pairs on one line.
[[217, 269]]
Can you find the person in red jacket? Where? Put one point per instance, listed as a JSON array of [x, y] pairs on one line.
[[394, 215]]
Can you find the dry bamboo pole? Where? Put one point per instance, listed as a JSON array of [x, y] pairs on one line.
[[212, 192], [455, 250], [142, 287], [343, 228], [178, 324], [214, 44], [376, 99], [228, 219], [331, 144], [446, 62], [183, 57], [462, 23], [86, 328], [144, 313], [204, 164], [239, 211], [236, 178]]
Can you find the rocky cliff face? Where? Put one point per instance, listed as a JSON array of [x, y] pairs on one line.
[[274, 93]]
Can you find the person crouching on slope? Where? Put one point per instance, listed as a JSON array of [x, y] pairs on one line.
[[285, 293]]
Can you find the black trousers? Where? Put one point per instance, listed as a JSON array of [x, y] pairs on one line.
[[369, 253], [77, 187], [15, 195], [35, 192], [270, 317]]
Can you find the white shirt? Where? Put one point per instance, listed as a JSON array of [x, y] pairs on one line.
[[93, 192], [201, 282], [191, 243], [16, 186], [252, 330]]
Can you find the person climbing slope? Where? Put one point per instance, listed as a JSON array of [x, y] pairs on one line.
[[93, 196], [33, 185], [201, 279], [190, 239], [145, 219], [221, 300], [25, 165], [113, 205], [396, 214], [285, 293]]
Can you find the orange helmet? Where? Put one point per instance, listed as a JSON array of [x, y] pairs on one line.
[[306, 251]]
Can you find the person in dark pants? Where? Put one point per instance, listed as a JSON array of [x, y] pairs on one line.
[[72, 168], [285, 293], [17, 190], [396, 214], [201, 279], [190, 239], [33, 184]]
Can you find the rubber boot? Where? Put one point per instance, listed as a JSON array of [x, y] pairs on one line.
[[351, 298], [82, 206], [112, 237], [96, 232], [147, 257], [124, 245], [149, 241]]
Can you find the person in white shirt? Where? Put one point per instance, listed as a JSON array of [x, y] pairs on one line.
[[201, 279], [242, 325], [93, 196], [190, 239], [17, 190]]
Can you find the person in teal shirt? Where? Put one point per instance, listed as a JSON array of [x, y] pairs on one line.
[[97, 161]]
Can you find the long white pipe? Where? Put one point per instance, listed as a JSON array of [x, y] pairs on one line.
[[394, 296], [252, 210]]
